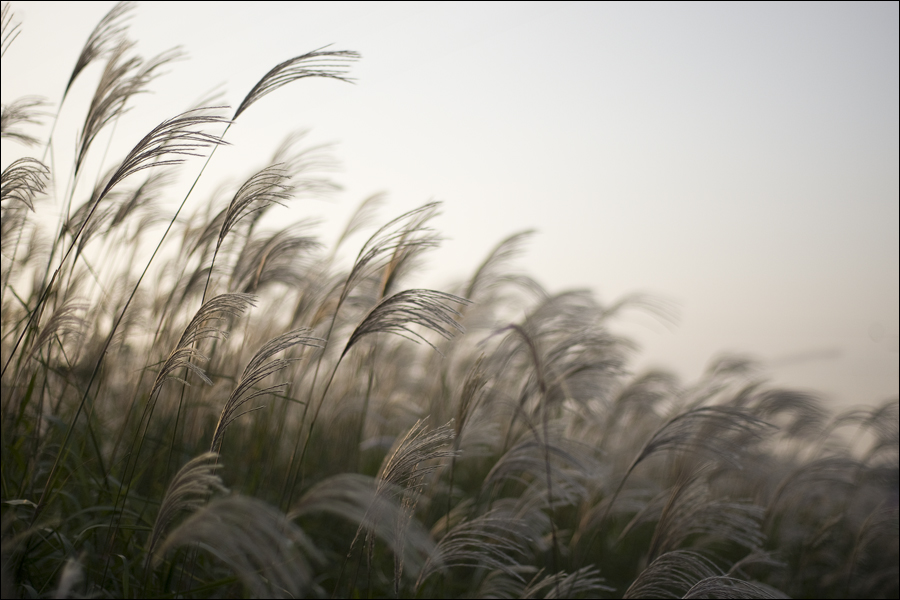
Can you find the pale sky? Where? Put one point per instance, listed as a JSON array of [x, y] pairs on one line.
[[737, 160]]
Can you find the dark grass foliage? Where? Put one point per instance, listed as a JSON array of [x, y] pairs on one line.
[[194, 405]]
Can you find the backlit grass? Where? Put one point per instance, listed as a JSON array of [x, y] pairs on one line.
[[195, 404]]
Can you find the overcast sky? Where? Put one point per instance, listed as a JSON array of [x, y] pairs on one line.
[[738, 160]]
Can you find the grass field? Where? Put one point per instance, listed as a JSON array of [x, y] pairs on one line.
[[195, 404]]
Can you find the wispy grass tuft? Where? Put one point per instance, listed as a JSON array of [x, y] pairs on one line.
[[103, 39], [189, 491], [334, 64], [255, 372], [23, 180], [268, 553], [428, 308], [24, 111]]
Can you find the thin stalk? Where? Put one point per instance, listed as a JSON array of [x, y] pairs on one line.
[[51, 476], [114, 529], [288, 488], [309, 433], [365, 410]]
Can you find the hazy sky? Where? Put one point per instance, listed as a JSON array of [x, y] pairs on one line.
[[737, 160]]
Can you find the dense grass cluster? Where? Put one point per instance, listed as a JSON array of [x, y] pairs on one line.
[[241, 414]]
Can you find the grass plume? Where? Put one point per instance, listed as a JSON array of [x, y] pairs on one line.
[[558, 472]]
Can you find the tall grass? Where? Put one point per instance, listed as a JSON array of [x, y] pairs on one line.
[[195, 405]]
